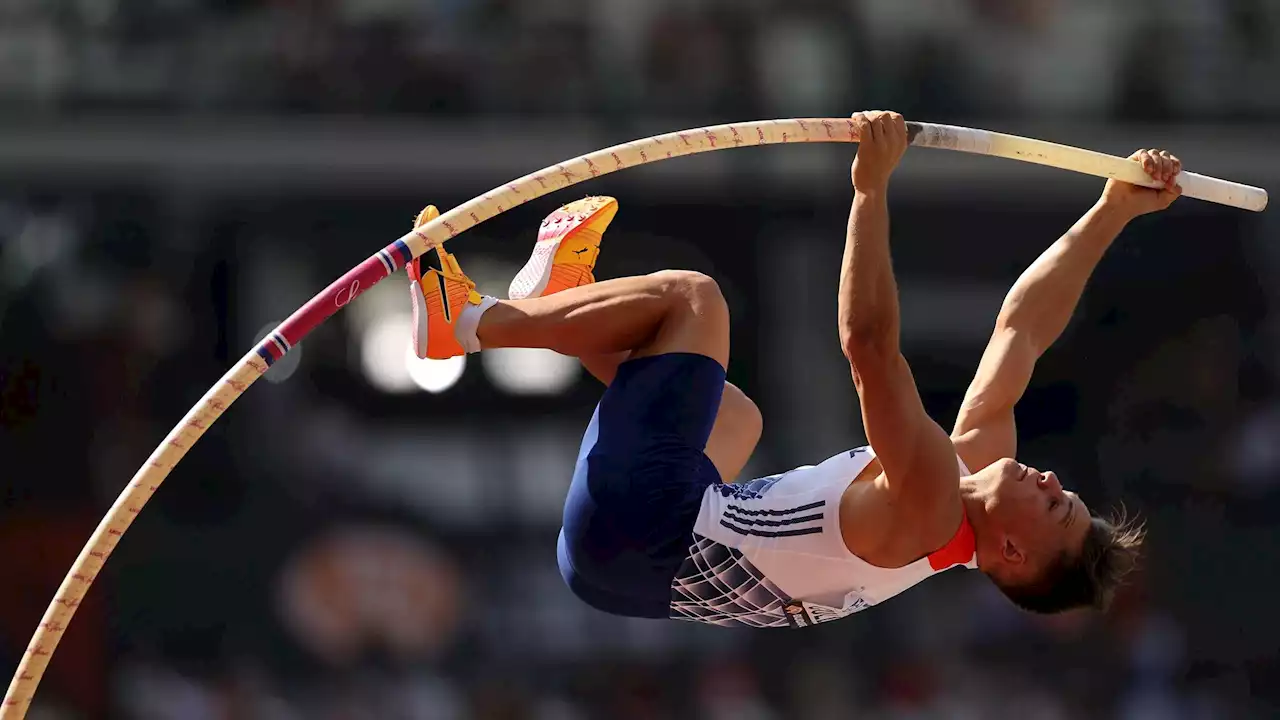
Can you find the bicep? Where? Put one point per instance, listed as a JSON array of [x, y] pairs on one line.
[[913, 450], [985, 430]]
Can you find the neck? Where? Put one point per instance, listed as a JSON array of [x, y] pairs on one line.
[[974, 500]]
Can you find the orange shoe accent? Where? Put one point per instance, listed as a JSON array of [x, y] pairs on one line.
[[567, 248], [439, 296]]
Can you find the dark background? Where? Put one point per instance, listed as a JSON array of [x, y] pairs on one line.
[[177, 176]]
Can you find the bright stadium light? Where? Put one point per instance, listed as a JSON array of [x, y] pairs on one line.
[[530, 371], [384, 343], [388, 361], [519, 371], [286, 366], [382, 327], [434, 376]]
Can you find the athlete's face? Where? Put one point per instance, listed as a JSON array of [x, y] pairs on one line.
[[1034, 520]]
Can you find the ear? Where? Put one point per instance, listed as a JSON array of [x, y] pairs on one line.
[[1011, 553]]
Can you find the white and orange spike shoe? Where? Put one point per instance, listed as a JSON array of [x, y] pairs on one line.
[[567, 248], [439, 297]]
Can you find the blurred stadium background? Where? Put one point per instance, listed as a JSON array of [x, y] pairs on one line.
[[362, 538]]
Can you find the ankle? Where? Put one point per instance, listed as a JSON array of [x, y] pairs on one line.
[[466, 330]]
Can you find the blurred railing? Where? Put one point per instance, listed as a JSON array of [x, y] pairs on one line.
[[247, 154]]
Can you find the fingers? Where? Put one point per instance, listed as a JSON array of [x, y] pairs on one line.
[[879, 126], [883, 125], [882, 140], [863, 127], [1162, 166], [891, 128], [1168, 166], [1150, 164], [1174, 167]]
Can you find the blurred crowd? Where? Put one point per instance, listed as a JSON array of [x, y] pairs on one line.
[[342, 546], [1198, 59], [330, 550]]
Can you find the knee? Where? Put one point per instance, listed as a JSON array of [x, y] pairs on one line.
[[743, 413], [695, 290], [736, 434]]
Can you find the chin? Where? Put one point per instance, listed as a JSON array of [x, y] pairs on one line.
[[1005, 471]]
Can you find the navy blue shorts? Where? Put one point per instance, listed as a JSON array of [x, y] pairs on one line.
[[638, 484]]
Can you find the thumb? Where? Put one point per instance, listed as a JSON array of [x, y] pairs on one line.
[[1168, 195]]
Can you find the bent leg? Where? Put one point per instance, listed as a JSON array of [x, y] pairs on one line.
[[667, 312], [661, 342], [633, 317], [738, 427]]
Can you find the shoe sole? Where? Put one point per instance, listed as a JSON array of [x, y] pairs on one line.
[[532, 279], [419, 329], [419, 319]]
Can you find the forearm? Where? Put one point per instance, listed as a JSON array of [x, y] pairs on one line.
[[1041, 302], [868, 305]]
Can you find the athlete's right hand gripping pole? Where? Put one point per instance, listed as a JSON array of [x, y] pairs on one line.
[[984, 142]]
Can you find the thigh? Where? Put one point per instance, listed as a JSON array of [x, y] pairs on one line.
[[738, 424], [659, 406], [639, 479]]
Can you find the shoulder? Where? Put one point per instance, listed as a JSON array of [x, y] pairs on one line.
[[885, 527]]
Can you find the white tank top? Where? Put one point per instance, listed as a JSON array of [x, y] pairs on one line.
[[769, 552]]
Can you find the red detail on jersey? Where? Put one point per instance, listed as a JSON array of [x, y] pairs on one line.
[[958, 550]]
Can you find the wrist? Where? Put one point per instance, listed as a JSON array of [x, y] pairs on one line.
[[1114, 208], [870, 191]]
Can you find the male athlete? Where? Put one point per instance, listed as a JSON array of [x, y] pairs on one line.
[[654, 525]]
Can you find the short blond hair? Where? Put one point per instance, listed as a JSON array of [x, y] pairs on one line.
[[1089, 579]]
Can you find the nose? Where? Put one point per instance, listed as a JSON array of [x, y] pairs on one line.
[[1049, 481]]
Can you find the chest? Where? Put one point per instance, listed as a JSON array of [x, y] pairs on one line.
[[882, 527]]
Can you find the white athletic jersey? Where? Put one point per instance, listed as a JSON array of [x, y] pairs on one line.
[[769, 553]]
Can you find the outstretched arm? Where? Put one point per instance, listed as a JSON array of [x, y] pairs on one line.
[[915, 453], [1039, 306]]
